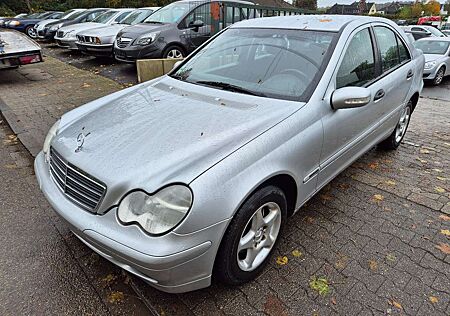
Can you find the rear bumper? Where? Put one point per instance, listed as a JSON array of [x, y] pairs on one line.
[[20, 59], [172, 263]]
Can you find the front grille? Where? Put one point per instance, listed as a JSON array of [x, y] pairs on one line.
[[123, 42], [76, 185], [60, 34], [86, 39]]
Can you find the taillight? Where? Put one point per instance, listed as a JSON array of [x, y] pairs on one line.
[[24, 60]]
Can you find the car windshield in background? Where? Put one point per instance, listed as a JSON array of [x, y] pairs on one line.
[[171, 13], [136, 17], [435, 32], [275, 63], [432, 47], [66, 14], [104, 17], [76, 15]]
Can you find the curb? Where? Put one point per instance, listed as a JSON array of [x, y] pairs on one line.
[[26, 138]]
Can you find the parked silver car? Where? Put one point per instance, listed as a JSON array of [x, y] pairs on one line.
[[437, 58], [66, 36], [100, 41], [40, 26], [195, 173]]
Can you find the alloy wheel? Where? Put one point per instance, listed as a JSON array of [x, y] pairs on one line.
[[259, 236], [402, 124], [174, 53], [439, 76], [31, 32]]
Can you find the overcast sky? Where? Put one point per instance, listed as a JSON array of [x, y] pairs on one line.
[[328, 3]]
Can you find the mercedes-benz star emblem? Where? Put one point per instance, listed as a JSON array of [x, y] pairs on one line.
[[80, 140]]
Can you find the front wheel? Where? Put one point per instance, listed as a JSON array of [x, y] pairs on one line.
[[31, 32], [173, 52], [394, 140], [439, 76], [251, 237]]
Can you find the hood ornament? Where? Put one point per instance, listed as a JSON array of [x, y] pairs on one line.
[[80, 140]]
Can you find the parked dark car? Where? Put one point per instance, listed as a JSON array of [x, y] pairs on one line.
[[177, 29], [5, 20], [26, 25], [49, 32]]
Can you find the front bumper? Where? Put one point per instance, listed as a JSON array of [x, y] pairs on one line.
[[131, 53], [104, 50], [69, 43], [430, 74], [172, 263]]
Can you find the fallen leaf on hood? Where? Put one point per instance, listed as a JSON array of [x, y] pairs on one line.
[[282, 260], [445, 232], [115, 297], [433, 299], [439, 189], [445, 248], [378, 197], [296, 253]]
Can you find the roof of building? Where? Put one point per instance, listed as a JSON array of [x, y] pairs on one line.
[[273, 3]]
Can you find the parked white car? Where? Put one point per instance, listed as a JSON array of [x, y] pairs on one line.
[[39, 27], [66, 36]]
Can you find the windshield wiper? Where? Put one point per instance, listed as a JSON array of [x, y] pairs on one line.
[[229, 87], [156, 22]]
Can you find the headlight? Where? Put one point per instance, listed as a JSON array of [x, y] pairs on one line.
[[430, 64], [48, 139], [14, 23], [157, 213], [68, 34], [146, 39], [56, 27]]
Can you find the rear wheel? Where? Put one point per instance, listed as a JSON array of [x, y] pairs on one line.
[[439, 76], [394, 140], [251, 237], [173, 52]]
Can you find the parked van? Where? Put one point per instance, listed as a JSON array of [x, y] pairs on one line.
[[177, 29]]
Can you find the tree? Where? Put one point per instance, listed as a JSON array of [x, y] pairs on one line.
[[432, 8], [416, 10], [306, 4], [362, 7], [30, 9]]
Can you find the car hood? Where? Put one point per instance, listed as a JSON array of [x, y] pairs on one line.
[[80, 27], [103, 31], [432, 57], [163, 132], [143, 28]]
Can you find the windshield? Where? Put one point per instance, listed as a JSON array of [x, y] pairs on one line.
[[76, 15], [105, 17], [283, 64], [432, 47], [67, 14], [136, 17], [435, 32], [171, 13]]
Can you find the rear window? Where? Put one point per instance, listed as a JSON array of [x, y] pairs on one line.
[[432, 47]]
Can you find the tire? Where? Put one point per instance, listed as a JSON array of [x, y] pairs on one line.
[[231, 265], [394, 140], [439, 76], [174, 51], [30, 31]]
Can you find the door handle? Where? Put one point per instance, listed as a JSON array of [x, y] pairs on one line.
[[379, 95], [410, 74]]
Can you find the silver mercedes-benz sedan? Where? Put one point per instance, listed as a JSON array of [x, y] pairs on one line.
[[193, 175], [437, 58]]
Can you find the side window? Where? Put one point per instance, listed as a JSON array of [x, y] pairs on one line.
[[358, 65], [387, 43], [202, 13], [403, 51]]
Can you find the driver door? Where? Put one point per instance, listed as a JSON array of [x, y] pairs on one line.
[[197, 36]]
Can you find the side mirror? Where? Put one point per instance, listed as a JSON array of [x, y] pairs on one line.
[[350, 97], [196, 24]]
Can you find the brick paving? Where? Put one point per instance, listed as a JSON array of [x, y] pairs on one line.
[[375, 239]]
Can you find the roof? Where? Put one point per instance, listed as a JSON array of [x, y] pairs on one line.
[[312, 22]]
